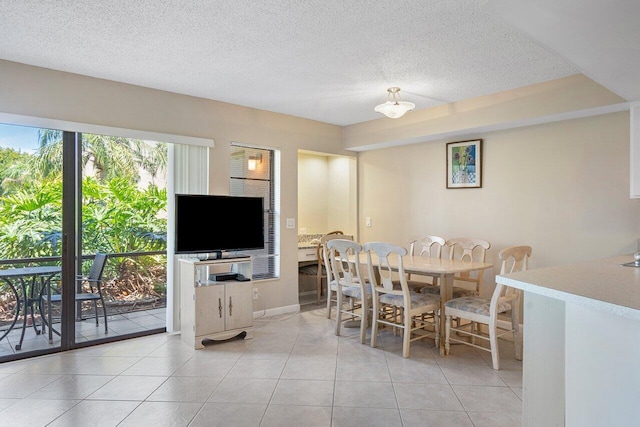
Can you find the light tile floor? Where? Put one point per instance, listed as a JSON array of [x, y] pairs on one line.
[[294, 372], [86, 330]]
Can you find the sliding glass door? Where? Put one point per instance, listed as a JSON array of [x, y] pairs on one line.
[[79, 206], [122, 214], [31, 245]]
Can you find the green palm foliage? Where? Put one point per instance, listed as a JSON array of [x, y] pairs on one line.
[[117, 215], [30, 220], [105, 157], [14, 167], [48, 161]]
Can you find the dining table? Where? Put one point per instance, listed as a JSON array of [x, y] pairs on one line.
[[443, 268], [28, 285]]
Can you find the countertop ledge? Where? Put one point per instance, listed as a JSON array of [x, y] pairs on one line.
[[602, 284]]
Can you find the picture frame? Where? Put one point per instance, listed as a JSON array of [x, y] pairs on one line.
[[464, 164]]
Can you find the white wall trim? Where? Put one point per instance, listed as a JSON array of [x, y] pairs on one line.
[[474, 131], [276, 311], [40, 122]]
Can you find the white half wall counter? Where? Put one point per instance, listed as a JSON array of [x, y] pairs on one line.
[[581, 364]]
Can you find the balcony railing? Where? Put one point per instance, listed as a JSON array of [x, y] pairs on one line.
[[132, 281]]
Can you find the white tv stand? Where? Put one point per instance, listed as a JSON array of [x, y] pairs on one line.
[[215, 310]]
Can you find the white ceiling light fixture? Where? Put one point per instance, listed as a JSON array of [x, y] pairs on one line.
[[394, 107]]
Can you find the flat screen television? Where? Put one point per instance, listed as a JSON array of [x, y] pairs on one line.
[[209, 224]]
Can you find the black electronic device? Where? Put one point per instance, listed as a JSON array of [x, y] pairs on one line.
[[211, 224], [223, 277]]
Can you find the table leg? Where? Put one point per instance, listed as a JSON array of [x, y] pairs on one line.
[[15, 317], [33, 292], [446, 293], [49, 315], [24, 309], [45, 296]]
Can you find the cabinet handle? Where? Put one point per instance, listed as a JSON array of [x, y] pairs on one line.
[[230, 307], [220, 306]]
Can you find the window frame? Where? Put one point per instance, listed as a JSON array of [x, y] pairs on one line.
[[271, 252]]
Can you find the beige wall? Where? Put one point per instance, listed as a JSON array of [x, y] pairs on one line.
[[43, 93], [562, 188], [343, 195], [313, 189], [327, 193]]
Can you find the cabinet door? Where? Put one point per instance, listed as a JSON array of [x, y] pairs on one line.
[[210, 309], [239, 305]]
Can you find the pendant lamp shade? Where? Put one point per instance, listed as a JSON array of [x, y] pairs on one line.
[[394, 107]]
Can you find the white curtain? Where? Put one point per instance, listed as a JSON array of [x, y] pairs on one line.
[[188, 174]]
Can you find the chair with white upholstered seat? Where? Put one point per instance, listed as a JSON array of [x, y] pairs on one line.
[[414, 313], [323, 255], [477, 310], [345, 280]]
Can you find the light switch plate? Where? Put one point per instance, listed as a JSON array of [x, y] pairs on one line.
[[367, 221], [291, 223]]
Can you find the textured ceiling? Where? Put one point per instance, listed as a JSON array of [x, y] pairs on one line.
[[602, 38], [327, 60]]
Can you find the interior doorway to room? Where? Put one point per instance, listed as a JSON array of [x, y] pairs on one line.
[[64, 198], [327, 201]]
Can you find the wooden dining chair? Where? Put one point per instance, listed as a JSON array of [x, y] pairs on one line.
[[414, 313], [468, 249], [353, 293], [319, 269], [426, 247], [332, 297], [435, 245], [485, 311]]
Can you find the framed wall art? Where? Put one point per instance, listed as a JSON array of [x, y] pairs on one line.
[[464, 164]]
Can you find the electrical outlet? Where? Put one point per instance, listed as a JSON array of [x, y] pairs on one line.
[[255, 293]]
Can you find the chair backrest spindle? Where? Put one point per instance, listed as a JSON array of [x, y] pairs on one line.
[[514, 259], [429, 246], [384, 271], [470, 250]]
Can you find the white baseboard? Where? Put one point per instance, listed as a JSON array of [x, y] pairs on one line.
[[277, 311]]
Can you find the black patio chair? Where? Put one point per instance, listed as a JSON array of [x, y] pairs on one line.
[[94, 280]]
